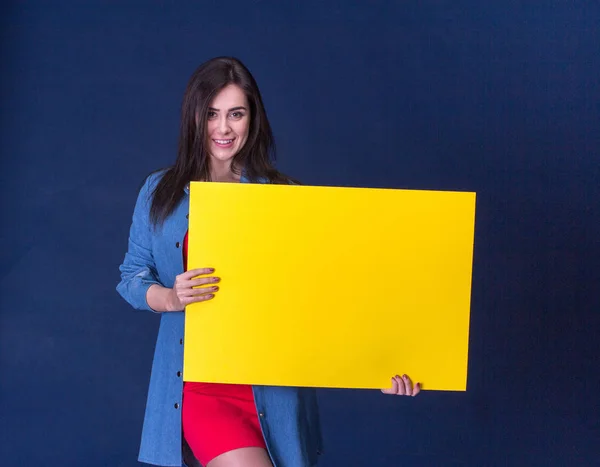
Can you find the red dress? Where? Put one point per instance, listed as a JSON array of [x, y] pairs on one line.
[[218, 418]]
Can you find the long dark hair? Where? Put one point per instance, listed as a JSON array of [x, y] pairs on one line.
[[256, 157]]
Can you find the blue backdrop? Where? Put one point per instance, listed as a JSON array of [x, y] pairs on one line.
[[501, 98]]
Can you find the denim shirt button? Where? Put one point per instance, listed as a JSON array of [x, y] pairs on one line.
[[176, 405], [261, 415], [177, 245]]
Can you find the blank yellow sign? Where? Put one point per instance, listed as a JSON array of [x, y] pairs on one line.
[[330, 287]]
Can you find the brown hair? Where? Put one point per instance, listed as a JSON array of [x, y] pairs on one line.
[[256, 157]]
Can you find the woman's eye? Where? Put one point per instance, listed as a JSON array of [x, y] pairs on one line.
[[237, 115], [211, 115]]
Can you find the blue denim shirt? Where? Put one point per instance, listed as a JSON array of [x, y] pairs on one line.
[[289, 416]]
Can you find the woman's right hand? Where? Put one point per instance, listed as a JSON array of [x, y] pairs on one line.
[[183, 292]]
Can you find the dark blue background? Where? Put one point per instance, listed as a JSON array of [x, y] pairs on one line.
[[501, 98]]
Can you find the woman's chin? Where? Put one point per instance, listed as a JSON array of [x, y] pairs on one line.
[[222, 158]]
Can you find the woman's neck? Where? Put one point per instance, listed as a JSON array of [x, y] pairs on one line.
[[223, 173]]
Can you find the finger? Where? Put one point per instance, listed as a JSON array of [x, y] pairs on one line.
[[401, 386], [393, 389], [196, 272], [417, 389], [197, 291], [188, 287], [197, 299], [407, 385], [203, 281]]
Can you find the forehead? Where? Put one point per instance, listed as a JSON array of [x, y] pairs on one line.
[[228, 97]]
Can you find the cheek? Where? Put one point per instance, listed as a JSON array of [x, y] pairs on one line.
[[243, 130], [210, 127]]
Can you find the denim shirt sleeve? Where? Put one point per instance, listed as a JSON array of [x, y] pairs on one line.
[[138, 271]]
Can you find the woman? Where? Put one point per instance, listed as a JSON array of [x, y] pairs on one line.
[[224, 137]]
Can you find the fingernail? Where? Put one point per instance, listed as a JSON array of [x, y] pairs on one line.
[[211, 269], [210, 296], [404, 376], [216, 279], [215, 288]]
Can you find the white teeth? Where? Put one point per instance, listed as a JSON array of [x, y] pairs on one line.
[[223, 141]]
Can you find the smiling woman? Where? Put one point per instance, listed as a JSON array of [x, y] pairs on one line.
[[221, 102], [224, 137]]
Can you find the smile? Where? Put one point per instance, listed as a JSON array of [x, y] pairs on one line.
[[223, 141]]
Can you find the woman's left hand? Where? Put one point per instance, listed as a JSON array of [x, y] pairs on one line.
[[402, 386]]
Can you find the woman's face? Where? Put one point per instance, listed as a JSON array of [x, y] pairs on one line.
[[228, 123]]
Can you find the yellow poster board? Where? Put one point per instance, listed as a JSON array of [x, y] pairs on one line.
[[330, 287]]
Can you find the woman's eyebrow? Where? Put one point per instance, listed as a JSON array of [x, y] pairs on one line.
[[230, 110]]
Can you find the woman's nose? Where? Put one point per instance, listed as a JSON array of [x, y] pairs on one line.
[[224, 125]]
